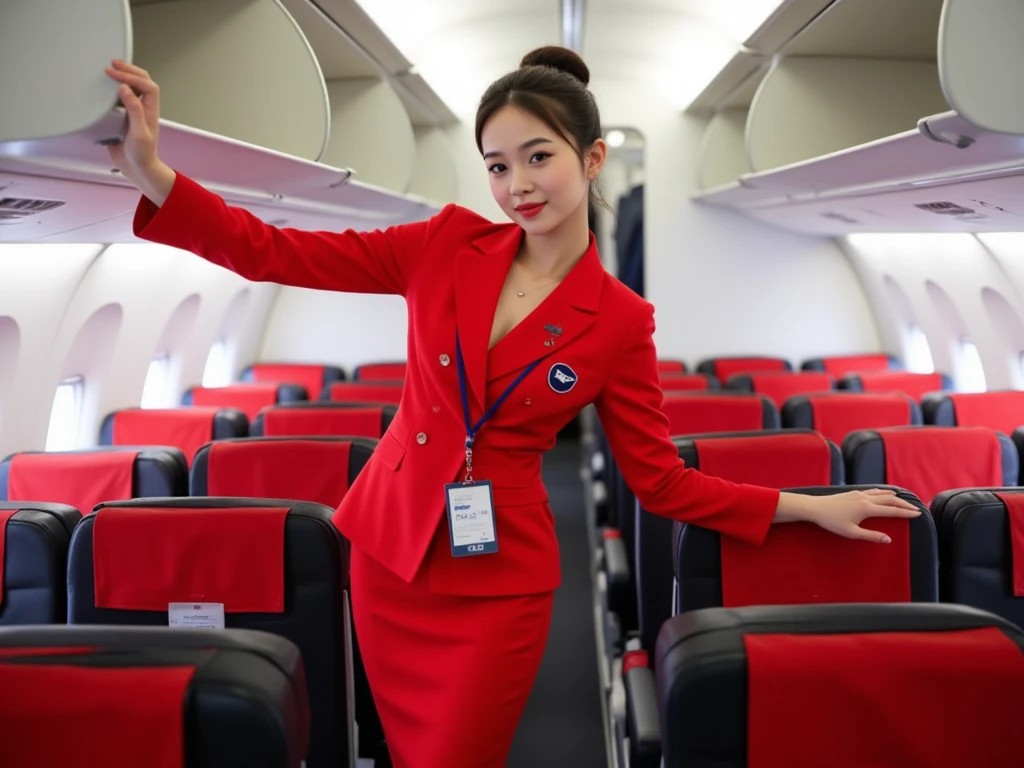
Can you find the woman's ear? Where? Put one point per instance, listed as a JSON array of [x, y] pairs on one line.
[[594, 158]]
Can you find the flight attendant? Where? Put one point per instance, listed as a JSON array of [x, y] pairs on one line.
[[513, 328]]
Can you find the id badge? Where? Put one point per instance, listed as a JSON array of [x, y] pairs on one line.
[[471, 518]]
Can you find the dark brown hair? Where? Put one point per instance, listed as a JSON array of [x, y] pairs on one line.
[[551, 84]]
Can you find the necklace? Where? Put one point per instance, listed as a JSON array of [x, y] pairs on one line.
[[521, 294]]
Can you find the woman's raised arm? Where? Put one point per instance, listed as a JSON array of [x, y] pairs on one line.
[[177, 211]]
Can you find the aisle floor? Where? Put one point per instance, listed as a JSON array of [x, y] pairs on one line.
[[562, 722]]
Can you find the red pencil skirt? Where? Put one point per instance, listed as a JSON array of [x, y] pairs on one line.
[[450, 675]]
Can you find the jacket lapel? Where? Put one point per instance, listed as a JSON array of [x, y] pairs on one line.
[[480, 272], [562, 317]]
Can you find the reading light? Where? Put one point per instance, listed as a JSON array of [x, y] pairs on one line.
[[615, 138]]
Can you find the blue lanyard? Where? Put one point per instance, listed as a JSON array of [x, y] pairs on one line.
[[471, 430]]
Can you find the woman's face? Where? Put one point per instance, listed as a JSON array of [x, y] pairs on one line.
[[535, 175]]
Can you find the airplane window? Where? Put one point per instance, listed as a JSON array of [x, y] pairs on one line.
[[155, 391], [971, 371], [919, 354], [217, 373], [65, 415]]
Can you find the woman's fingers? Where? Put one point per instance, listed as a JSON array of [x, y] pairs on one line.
[[124, 66], [142, 84], [863, 534], [888, 498]]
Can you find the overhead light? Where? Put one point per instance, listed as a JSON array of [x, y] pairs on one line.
[[572, 24], [615, 138]]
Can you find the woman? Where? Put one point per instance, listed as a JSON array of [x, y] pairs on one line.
[[513, 328]]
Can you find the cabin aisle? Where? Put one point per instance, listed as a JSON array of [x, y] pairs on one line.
[[562, 722]]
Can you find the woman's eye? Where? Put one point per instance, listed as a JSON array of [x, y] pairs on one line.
[[541, 155], [496, 168]]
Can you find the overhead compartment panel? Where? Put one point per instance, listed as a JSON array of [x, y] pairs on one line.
[[812, 106], [371, 132], [981, 60], [53, 54], [841, 144], [57, 182], [723, 153], [237, 68]]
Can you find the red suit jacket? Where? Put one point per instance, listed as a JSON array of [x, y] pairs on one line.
[[450, 268]]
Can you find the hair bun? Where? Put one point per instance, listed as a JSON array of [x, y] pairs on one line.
[[557, 57]]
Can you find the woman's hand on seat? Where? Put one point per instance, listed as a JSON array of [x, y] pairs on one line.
[[842, 513]]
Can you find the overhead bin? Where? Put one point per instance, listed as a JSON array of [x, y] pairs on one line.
[[852, 131], [245, 111]]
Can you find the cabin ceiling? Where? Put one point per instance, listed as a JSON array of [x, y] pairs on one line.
[[461, 46]]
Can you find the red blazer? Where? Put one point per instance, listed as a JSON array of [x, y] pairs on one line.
[[450, 268]]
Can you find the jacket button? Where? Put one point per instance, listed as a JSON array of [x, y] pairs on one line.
[[445, 360], [421, 438]]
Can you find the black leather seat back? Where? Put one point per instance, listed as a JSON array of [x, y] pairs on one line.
[[716, 699], [35, 562], [697, 557], [654, 543], [243, 703], [315, 616], [157, 471], [322, 407], [975, 550]]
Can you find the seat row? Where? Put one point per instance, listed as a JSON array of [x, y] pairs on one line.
[[314, 376], [255, 539], [801, 564], [837, 685], [833, 415], [836, 365], [188, 429]]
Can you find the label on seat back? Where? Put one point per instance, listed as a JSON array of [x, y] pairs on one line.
[[196, 615]]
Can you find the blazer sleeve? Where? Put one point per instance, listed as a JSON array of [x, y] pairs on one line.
[[630, 409], [197, 220]]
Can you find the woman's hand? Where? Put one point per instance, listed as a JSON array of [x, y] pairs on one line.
[[842, 513], [137, 157]]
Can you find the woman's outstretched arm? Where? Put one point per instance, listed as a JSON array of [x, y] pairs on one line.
[[638, 431], [177, 211]]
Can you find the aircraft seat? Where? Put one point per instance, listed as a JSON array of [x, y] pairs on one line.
[[802, 563], [187, 429], [324, 418], [84, 478], [389, 392], [304, 468], [273, 565], [838, 366], [691, 382], [724, 367], [837, 414], [1002, 411], [248, 398], [786, 458], [313, 377], [981, 549], [380, 371], [34, 540], [781, 385], [151, 696], [927, 460], [916, 385], [843, 686], [688, 413]]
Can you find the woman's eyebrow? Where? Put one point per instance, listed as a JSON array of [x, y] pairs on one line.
[[526, 145]]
